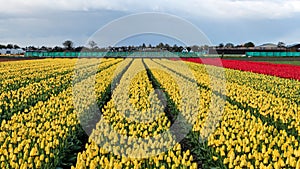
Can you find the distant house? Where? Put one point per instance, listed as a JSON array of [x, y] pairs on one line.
[[294, 47], [11, 51], [184, 50], [268, 46], [147, 49]]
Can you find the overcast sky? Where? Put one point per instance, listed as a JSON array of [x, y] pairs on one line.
[[50, 22]]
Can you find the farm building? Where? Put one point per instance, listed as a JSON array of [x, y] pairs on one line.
[[294, 48], [11, 51], [267, 46]]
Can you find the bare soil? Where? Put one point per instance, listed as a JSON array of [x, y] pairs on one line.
[[8, 59], [265, 58]]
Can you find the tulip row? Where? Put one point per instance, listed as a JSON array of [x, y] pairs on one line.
[[39, 138], [15, 70], [279, 111], [243, 140], [35, 139], [15, 81], [139, 108], [280, 87], [180, 88], [230, 121], [276, 110], [279, 70], [92, 94], [15, 101], [14, 66], [125, 137]]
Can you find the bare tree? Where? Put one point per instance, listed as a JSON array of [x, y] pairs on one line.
[[195, 48], [229, 45], [281, 44], [92, 44]]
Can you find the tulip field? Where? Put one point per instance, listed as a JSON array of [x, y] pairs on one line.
[[148, 113]]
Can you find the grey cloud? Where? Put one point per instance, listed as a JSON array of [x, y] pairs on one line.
[[33, 22]]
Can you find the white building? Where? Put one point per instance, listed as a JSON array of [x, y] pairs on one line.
[[184, 50], [11, 51]]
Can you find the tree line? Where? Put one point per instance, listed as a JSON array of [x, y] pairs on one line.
[[246, 45], [68, 46], [9, 46]]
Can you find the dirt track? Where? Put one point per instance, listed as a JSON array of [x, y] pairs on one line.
[[266, 59], [7, 59]]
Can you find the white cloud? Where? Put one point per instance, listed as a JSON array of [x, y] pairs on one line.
[[255, 9]]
